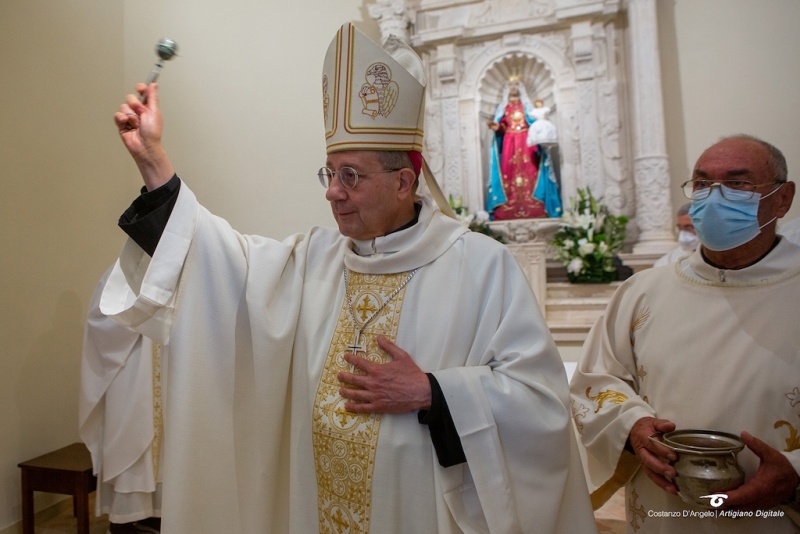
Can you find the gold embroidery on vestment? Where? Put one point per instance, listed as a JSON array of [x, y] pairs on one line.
[[793, 441], [158, 410], [579, 412], [638, 322], [609, 395], [635, 512], [794, 397], [345, 442], [641, 373]]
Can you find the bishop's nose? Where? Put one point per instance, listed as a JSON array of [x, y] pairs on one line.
[[336, 191]]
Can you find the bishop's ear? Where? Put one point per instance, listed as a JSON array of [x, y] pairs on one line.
[[405, 184]]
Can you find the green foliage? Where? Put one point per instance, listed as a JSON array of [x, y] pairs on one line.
[[589, 238]]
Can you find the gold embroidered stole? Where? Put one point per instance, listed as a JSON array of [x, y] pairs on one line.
[[345, 442], [158, 411]]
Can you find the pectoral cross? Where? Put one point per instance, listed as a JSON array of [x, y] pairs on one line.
[[355, 347]]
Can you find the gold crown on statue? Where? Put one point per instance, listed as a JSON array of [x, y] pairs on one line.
[[515, 78]]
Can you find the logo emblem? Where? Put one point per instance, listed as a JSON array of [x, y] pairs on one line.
[[379, 94], [717, 499]]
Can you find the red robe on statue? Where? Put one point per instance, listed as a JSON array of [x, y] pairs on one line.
[[518, 167]]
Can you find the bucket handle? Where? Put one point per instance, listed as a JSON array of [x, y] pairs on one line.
[[674, 448]]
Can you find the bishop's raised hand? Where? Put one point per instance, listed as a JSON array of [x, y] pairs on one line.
[[140, 126]]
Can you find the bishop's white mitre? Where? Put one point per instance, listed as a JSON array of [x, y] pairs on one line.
[[373, 98]]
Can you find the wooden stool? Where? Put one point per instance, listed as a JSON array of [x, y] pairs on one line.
[[67, 471]]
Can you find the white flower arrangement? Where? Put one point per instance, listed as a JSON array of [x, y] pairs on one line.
[[589, 239], [477, 222]]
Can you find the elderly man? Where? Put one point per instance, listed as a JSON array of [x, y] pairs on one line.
[[392, 376], [687, 238], [711, 343]]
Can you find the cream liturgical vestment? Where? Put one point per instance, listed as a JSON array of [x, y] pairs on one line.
[[120, 413], [706, 349], [258, 437]]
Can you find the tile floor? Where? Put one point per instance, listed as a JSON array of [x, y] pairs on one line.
[[610, 519], [65, 522]]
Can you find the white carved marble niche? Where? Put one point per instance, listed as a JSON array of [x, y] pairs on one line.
[[595, 60]]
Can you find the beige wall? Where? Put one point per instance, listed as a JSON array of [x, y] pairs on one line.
[[729, 66], [64, 181], [243, 128]]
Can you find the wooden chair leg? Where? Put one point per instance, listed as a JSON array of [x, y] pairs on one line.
[[81, 501]]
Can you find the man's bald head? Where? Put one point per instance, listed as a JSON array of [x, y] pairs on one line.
[[775, 158]]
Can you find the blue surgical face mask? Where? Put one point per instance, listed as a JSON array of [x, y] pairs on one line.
[[724, 224]]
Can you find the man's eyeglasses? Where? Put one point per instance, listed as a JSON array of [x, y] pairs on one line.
[[347, 175], [700, 189]]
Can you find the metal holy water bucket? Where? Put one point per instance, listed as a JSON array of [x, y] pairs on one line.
[[706, 463]]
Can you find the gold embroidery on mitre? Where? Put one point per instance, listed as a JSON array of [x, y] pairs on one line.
[[793, 441], [379, 94], [158, 410], [609, 395], [638, 322], [345, 442], [326, 98]]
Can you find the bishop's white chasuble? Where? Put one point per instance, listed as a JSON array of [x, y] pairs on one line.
[[257, 439], [706, 349], [120, 413]]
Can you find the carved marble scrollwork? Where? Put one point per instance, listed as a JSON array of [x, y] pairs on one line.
[[652, 181], [610, 129], [494, 11], [392, 18], [527, 230], [434, 143]]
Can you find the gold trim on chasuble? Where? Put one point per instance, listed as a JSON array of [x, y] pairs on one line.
[[158, 410], [345, 442]]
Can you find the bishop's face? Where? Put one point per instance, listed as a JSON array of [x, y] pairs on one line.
[[378, 202]]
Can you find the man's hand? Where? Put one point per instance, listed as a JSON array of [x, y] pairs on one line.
[[140, 126], [652, 455], [774, 482], [399, 386]]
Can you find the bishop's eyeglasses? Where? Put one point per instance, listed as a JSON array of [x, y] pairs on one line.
[[347, 175], [700, 189]]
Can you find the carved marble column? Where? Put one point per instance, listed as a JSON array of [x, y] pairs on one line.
[[591, 159], [651, 169], [447, 74], [392, 18]]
